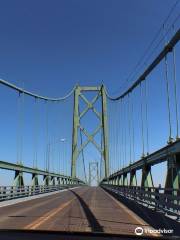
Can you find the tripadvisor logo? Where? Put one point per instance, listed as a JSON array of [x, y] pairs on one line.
[[139, 231]]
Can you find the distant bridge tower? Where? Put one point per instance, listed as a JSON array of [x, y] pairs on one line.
[[93, 173], [102, 116]]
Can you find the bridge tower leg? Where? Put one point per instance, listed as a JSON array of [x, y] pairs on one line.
[[102, 116], [105, 131], [18, 179], [173, 172], [133, 179], [75, 131], [147, 180]]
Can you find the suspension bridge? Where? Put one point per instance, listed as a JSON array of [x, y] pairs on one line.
[[54, 181]]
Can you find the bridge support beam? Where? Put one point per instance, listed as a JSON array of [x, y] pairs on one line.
[[125, 180], [35, 181], [46, 180], [117, 180], [173, 172], [63, 181], [133, 179], [53, 181], [120, 180], [58, 181], [18, 179], [147, 180]]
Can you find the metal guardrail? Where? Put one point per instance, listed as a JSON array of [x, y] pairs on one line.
[[163, 199], [12, 192]]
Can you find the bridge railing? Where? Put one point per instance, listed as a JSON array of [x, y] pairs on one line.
[[163, 199], [12, 192]]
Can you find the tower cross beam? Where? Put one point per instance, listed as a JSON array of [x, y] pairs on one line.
[[101, 115]]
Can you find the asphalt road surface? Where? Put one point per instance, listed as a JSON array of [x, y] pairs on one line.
[[80, 209]]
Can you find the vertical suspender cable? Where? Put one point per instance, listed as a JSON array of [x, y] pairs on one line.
[[47, 156], [112, 138], [52, 154], [120, 135], [109, 126], [146, 106], [168, 101], [59, 159], [81, 140], [20, 128], [129, 122], [101, 159], [168, 97], [35, 133], [125, 131], [123, 134], [142, 123], [116, 136], [133, 149], [84, 169], [175, 91]]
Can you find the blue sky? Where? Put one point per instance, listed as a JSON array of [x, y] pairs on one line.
[[49, 46]]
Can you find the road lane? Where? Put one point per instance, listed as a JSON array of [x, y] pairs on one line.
[[79, 209], [19, 215]]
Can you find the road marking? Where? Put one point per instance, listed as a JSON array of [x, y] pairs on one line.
[[131, 213], [47, 216]]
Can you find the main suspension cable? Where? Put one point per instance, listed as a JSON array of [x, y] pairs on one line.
[[167, 48], [31, 94]]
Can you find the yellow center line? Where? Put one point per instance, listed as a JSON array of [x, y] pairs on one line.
[[35, 224]]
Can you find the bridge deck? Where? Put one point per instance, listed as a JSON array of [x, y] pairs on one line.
[[80, 209]]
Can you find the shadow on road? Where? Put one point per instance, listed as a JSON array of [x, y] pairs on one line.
[[94, 224], [156, 219]]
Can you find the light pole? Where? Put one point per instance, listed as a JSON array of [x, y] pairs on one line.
[[62, 140], [49, 147]]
